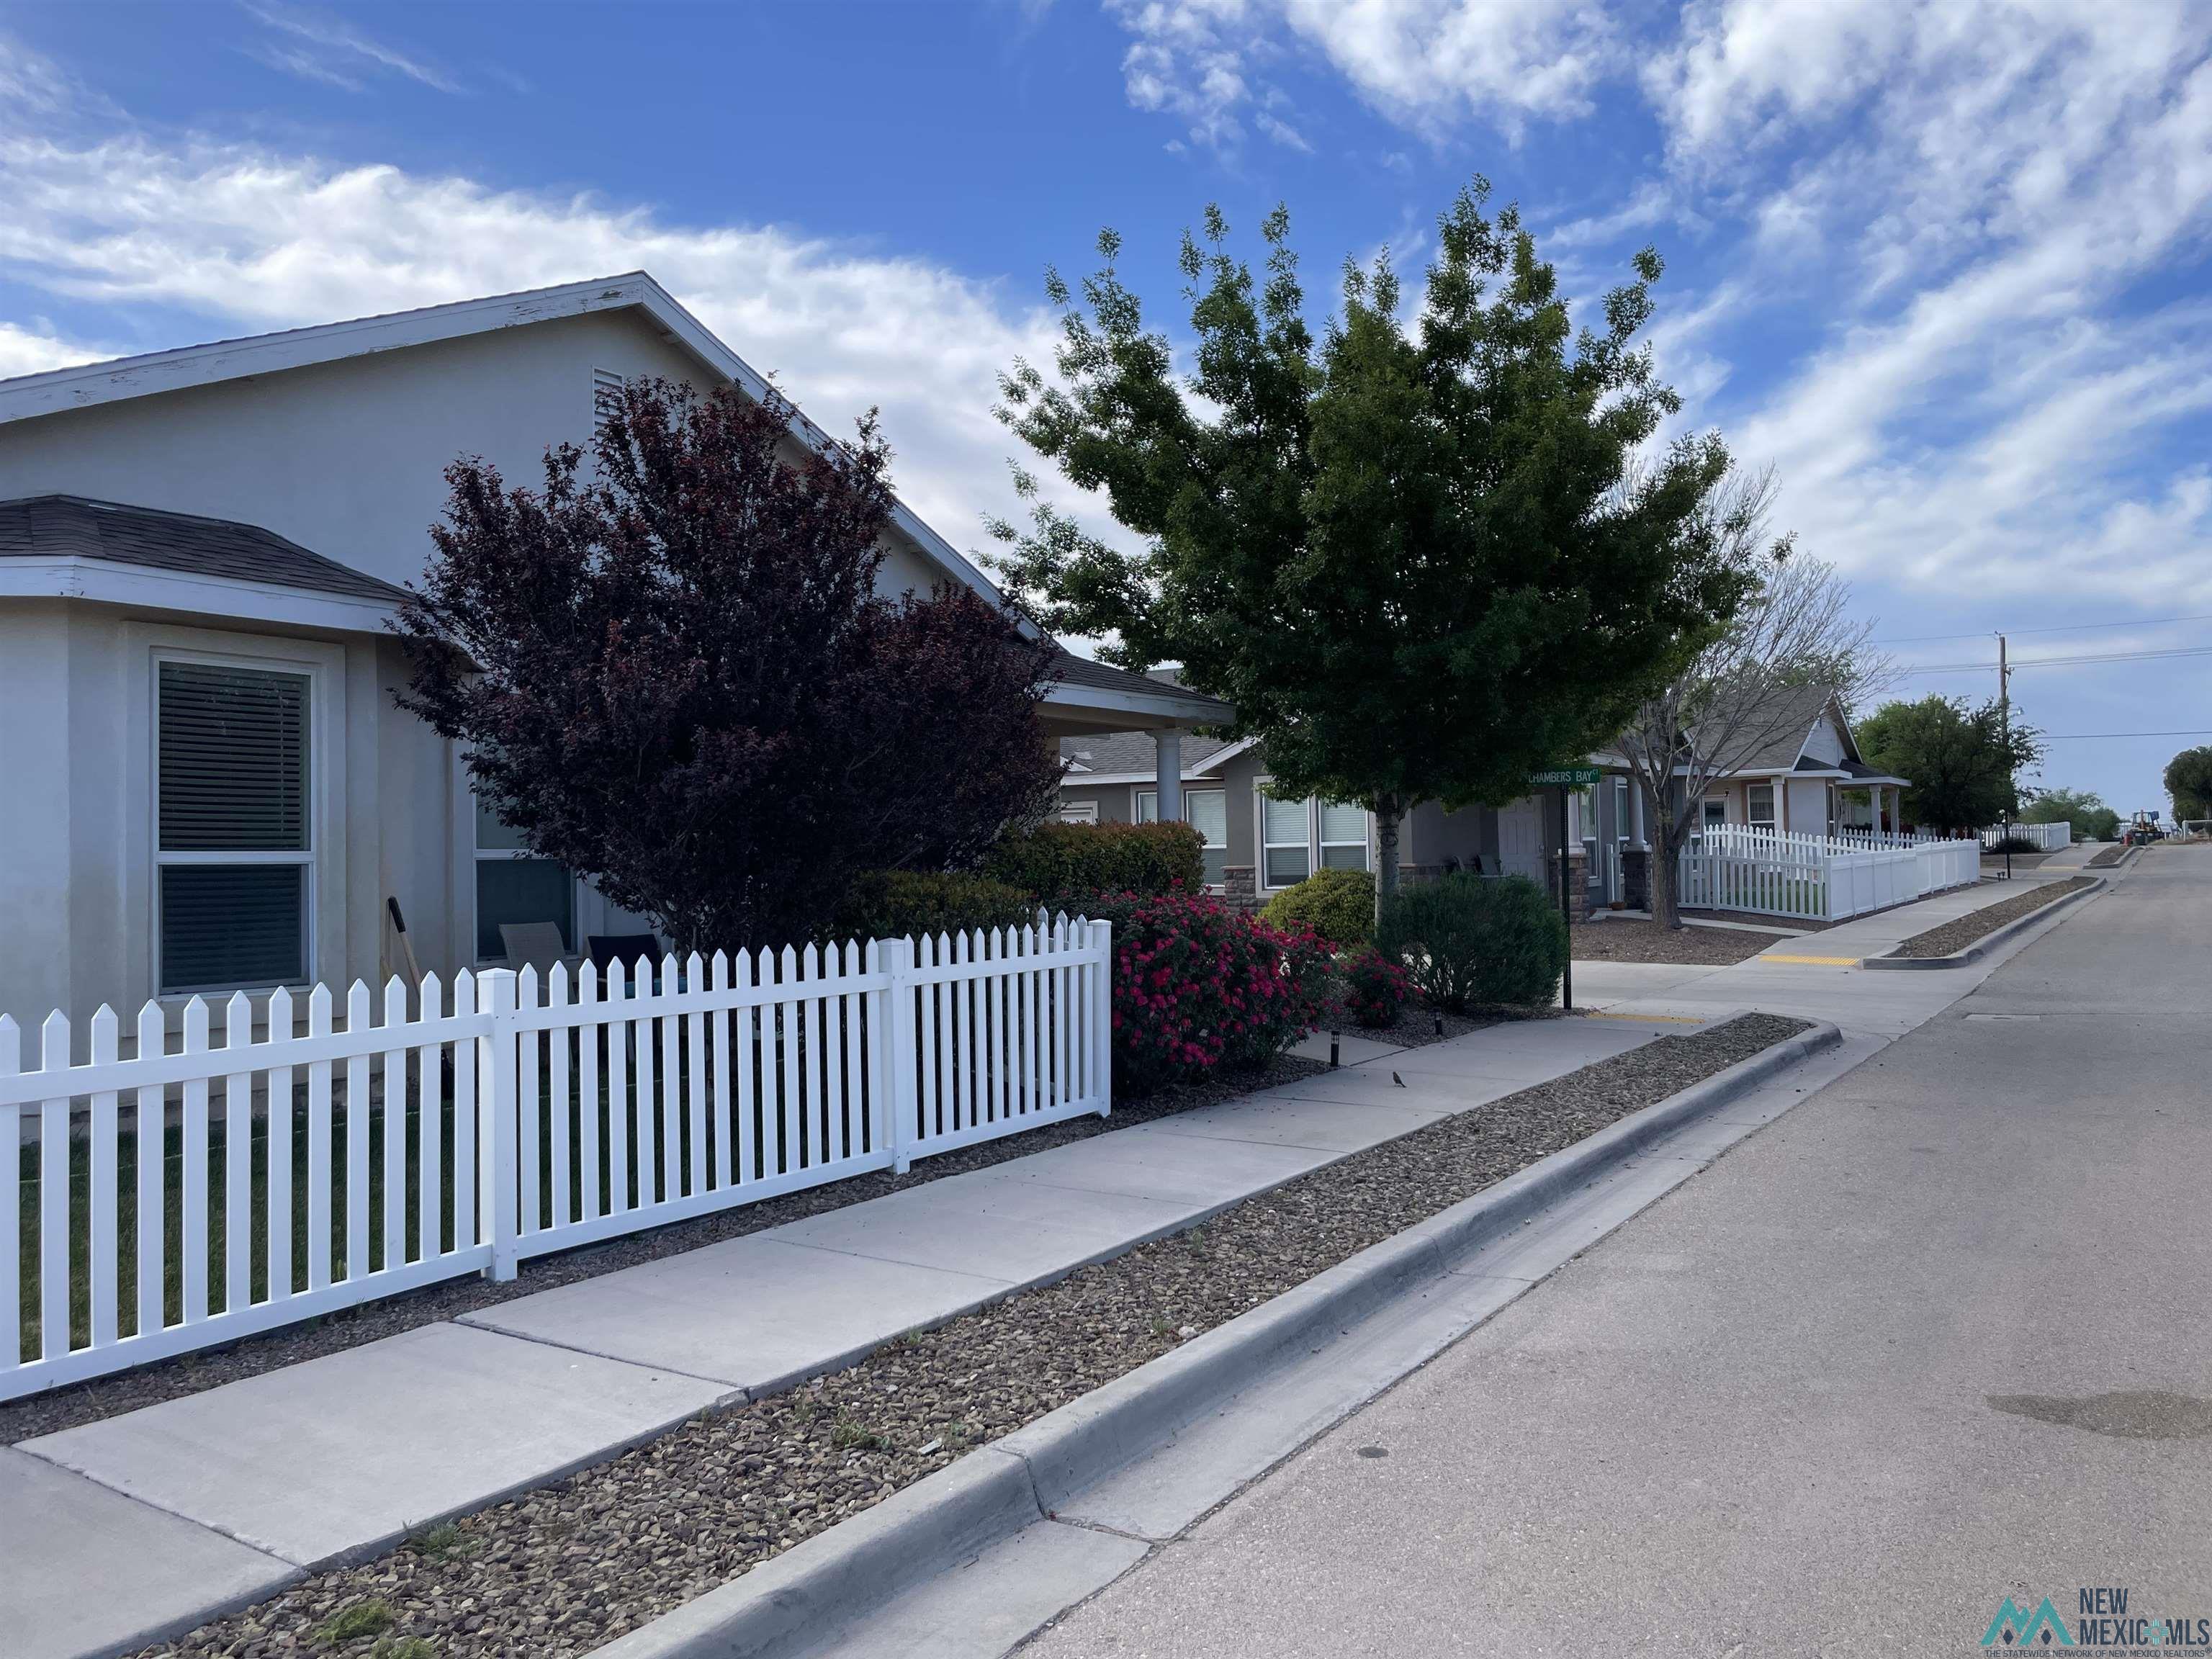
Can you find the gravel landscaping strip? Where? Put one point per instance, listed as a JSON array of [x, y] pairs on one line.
[[561, 1569], [2107, 858], [1955, 936], [189, 1374], [1633, 939], [1419, 1027]]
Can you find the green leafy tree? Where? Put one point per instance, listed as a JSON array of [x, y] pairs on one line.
[[1964, 760], [2091, 819], [1421, 562], [2189, 781]]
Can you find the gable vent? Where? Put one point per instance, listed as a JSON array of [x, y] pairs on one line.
[[606, 397]]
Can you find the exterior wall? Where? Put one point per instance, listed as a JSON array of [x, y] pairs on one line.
[[1808, 805], [1116, 801], [347, 458], [77, 892]]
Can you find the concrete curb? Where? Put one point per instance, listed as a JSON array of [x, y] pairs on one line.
[[801, 1601], [1981, 947]]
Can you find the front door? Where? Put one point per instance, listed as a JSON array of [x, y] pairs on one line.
[[1521, 840]]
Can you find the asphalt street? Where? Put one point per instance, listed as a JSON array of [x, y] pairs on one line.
[[1937, 1339]]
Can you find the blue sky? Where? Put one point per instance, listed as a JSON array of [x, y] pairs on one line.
[[1943, 267]]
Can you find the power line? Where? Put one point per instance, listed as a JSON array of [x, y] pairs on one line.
[[2083, 737], [2071, 628], [2060, 662]]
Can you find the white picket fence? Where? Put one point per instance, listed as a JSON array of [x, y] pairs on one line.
[[460, 1134], [1804, 878], [2043, 837]]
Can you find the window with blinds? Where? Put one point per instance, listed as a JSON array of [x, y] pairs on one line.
[[233, 849]]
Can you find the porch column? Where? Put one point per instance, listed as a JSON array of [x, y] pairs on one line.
[[1168, 772]]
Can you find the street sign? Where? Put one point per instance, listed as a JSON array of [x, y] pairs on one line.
[[1564, 777]]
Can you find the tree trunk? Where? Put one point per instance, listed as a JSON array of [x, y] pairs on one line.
[[1387, 812], [1666, 855]]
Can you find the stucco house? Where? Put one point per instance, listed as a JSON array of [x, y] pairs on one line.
[[208, 785], [1804, 773]]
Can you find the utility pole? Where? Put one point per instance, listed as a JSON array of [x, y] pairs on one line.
[[2004, 724]]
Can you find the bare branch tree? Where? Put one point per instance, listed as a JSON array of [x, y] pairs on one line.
[[1729, 702]]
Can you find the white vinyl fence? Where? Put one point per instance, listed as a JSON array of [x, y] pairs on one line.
[[1804, 878], [2043, 837], [190, 1194]]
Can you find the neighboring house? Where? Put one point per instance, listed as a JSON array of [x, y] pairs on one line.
[[1808, 776], [209, 788], [1258, 842]]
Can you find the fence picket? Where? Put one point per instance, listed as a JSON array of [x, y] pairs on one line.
[[617, 1111], [587, 1090], [790, 1103], [54, 1194], [103, 1156], [237, 1159], [645, 1153], [192, 1195], [527, 1148], [277, 1159], [394, 1075], [718, 1059], [672, 1085], [319, 1242], [469, 1227], [748, 1164], [429, 1132], [558, 1212]]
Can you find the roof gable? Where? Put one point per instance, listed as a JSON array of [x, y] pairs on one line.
[[89, 385]]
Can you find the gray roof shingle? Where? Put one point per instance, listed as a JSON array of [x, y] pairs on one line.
[[1788, 722], [1115, 753], [72, 526]]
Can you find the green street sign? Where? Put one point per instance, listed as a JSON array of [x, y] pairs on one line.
[[1572, 777]]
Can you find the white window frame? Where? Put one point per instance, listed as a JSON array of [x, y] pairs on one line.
[[1078, 811], [1707, 821], [1313, 842], [1321, 844], [1773, 805], [322, 667]]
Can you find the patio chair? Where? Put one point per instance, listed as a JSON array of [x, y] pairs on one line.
[[532, 944]]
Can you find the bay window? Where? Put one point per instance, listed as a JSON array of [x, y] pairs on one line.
[[234, 852]]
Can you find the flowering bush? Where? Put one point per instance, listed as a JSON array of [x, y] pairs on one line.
[[1375, 989], [1199, 987]]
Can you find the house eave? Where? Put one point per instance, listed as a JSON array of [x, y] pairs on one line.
[[109, 581]]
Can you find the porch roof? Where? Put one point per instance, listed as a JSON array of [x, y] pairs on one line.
[[73, 547]]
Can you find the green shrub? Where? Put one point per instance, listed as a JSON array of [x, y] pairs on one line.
[[1337, 904], [1467, 941], [904, 904], [1057, 864]]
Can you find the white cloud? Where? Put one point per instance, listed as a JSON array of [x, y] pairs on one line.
[[1424, 64], [183, 241], [34, 351], [317, 46]]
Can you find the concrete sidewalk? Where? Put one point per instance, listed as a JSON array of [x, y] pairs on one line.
[[116, 1533]]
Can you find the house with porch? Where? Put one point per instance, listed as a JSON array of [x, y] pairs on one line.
[[1804, 775], [208, 785]]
